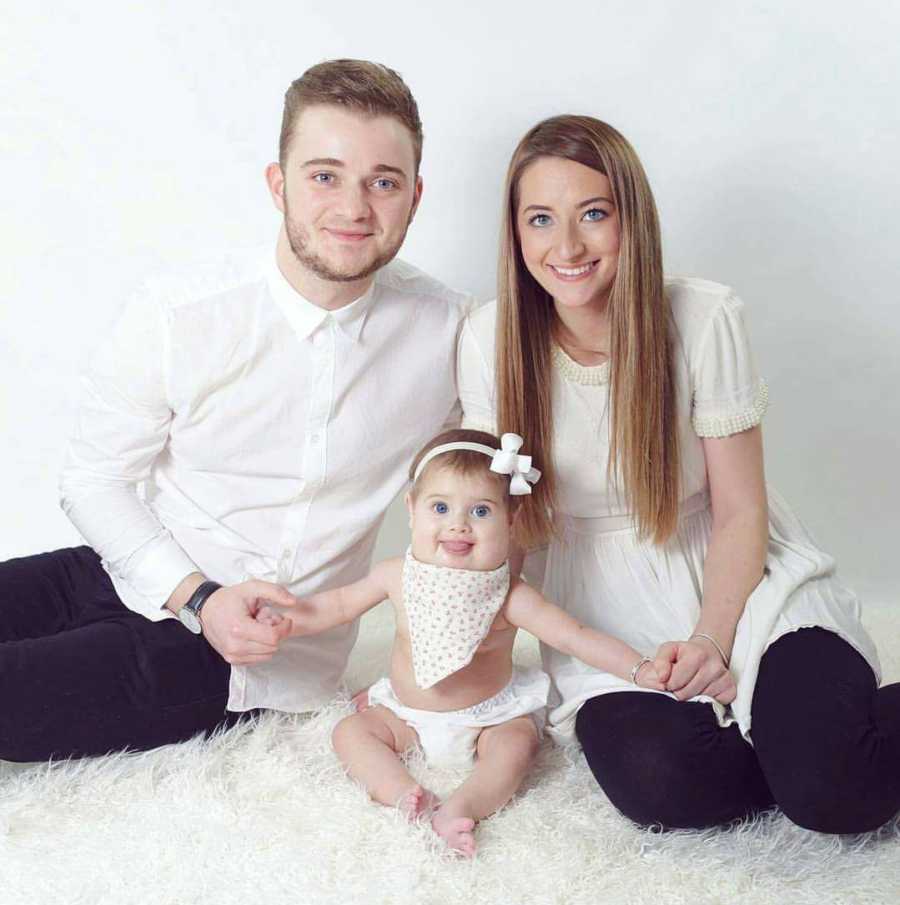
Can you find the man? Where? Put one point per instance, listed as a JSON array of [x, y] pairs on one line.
[[241, 435]]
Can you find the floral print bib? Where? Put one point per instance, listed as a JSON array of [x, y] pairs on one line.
[[449, 613]]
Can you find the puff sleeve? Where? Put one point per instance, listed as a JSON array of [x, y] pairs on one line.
[[475, 376], [729, 396]]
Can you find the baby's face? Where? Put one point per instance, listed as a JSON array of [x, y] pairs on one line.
[[459, 520]]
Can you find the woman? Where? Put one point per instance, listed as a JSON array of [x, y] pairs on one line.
[[640, 401]]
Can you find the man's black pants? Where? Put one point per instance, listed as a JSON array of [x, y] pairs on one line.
[[80, 674], [826, 746]]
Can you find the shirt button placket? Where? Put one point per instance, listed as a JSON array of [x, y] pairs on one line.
[[321, 388]]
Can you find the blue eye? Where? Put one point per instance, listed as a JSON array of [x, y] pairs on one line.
[[385, 184], [595, 214], [323, 178], [539, 220], [441, 508], [481, 511]]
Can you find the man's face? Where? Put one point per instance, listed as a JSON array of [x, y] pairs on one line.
[[348, 191]]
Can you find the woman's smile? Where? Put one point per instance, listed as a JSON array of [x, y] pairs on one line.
[[573, 274]]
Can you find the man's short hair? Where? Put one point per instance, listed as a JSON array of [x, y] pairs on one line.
[[358, 85]]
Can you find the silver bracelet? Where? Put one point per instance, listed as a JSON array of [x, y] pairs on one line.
[[637, 668], [715, 644]]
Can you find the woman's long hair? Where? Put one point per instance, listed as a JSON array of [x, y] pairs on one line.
[[643, 435]]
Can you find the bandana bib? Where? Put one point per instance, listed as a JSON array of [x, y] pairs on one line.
[[449, 613]]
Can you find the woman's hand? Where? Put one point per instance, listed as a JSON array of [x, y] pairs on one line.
[[689, 668]]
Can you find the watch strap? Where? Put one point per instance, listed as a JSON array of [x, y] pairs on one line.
[[200, 596]]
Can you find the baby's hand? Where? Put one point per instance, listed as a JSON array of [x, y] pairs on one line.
[[268, 615], [649, 677]]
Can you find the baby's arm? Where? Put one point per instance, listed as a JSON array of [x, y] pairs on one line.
[[326, 609], [530, 610]]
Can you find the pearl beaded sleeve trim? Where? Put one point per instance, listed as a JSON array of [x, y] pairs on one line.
[[725, 426]]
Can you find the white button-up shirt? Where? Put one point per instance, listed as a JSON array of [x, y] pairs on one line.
[[233, 428]]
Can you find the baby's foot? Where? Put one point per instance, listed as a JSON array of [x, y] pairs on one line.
[[416, 802], [455, 831]]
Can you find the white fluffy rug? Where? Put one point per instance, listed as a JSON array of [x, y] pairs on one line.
[[266, 816]]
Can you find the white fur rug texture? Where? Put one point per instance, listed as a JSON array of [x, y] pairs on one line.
[[266, 815]]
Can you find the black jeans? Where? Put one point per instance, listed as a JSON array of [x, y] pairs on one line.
[[80, 674], [826, 746]]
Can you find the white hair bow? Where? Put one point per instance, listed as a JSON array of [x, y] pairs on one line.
[[507, 460]]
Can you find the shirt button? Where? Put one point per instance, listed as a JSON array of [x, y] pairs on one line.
[[314, 439]]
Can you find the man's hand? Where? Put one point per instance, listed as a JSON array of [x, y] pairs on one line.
[[689, 668], [229, 621]]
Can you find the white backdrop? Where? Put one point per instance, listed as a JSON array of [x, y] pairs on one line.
[[135, 135]]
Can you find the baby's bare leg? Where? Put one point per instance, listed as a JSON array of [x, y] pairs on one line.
[[369, 745], [505, 753]]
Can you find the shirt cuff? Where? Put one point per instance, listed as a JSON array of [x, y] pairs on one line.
[[153, 574]]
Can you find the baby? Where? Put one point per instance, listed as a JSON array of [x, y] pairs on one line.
[[453, 688]]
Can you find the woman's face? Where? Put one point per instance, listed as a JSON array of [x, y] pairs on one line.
[[569, 231]]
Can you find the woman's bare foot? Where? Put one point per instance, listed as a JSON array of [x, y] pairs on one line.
[[455, 831], [416, 802]]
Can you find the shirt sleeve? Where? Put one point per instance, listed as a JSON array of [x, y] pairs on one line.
[[475, 383], [729, 396], [121, 427]]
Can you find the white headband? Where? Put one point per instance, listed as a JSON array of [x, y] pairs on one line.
[[505, 460]]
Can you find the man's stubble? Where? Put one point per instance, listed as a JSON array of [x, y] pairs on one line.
[[298, 239]]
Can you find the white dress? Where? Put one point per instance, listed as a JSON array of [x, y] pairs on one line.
[[598, 569]]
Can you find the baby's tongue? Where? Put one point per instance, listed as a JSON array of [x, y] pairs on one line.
[[457, 546]]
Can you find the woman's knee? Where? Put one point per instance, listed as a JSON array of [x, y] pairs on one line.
[[667, 763], [632, 762], [834, 800], [830, 760]]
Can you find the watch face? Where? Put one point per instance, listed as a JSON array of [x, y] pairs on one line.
[[189, 619]]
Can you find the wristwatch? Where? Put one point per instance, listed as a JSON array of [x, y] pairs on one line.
[[189, 614]]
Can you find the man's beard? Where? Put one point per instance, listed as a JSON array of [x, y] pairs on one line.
[[298, 239]]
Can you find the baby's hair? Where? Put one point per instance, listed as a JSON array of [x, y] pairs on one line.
[[462, 461]]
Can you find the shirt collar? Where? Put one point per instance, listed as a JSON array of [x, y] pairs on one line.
[[305, 317]]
